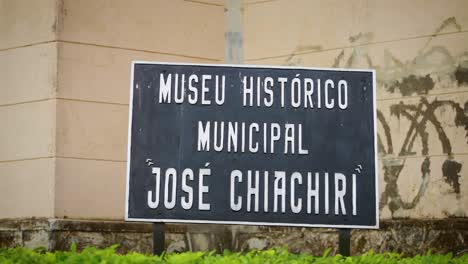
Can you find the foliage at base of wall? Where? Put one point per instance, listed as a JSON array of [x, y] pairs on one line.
[[408, 236], [109, 255]]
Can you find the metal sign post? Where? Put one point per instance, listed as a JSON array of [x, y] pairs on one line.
[[344, 241], [159, 236]]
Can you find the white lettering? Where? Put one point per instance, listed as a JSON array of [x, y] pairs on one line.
[[187, 202], [235, 205], [171, 178], [279, 191], [153, 204], [253, 190], [203, 136], [340, 193], [204, 89], [295, 208], [165, 88], [202, 189]]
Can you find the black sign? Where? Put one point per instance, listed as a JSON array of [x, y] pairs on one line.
[[254, 145]]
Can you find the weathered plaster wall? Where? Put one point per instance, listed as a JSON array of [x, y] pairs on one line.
[[406, 236], [28, 70], [420, 52], [64, 78], [97, 42]]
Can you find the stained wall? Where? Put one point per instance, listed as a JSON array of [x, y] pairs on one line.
[[419, 50]]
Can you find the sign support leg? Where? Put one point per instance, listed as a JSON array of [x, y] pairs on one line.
[[159, 236], [344, 241]]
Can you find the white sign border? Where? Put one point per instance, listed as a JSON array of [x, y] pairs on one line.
[[374, 84]]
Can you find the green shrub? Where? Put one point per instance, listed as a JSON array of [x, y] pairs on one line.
[[273, 256]]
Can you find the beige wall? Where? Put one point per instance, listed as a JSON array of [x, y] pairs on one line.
[[64, 86], [97, 42], [28, 68], [64, 80], [414, 46]]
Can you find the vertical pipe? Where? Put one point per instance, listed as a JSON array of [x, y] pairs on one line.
[[234, 32]]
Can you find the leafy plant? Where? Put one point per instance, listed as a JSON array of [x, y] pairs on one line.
[[271, 256]]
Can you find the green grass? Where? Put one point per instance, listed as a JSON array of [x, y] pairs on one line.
[[108, 255]]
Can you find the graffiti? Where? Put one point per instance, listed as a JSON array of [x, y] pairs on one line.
[[367, 36], [461, 75], [432, 67], [412, 85], [404, 78], [420, 116], [447, 23], [450, 170]]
